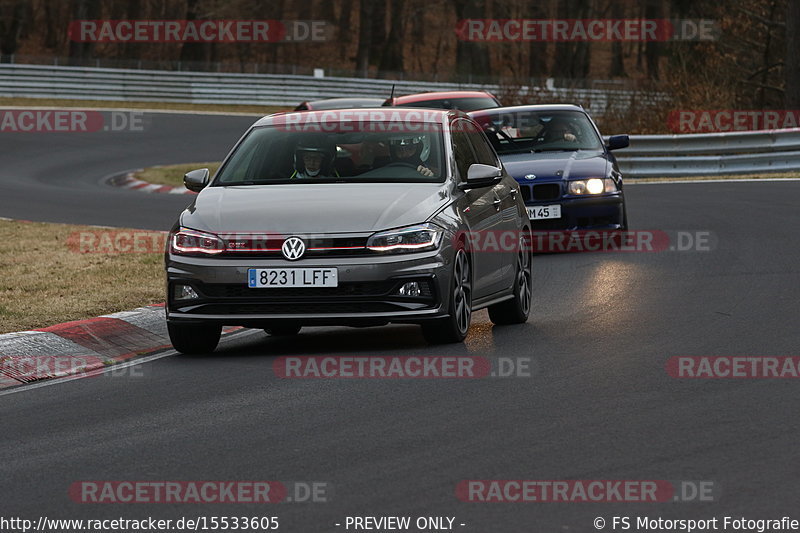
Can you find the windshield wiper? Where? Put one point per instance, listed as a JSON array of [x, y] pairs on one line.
[[537, 150]]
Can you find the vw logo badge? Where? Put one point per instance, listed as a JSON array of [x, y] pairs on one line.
[[530, 176], [293, 248]]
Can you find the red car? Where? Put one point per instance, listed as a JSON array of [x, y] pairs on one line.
[[463, 100]]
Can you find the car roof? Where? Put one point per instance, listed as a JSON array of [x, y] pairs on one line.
[[532, 107], [343, 103], [411, 114], [421, 97]]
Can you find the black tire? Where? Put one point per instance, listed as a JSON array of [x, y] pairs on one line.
[[455, 326], [194, 338], [624, 218], [282, 331], [517, 309]]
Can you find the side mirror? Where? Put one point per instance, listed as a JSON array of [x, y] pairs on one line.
[[196, 180], [618, 141], [479, 175]]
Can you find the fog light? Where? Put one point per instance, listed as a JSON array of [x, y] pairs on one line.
[[184, 292], [410, 289]]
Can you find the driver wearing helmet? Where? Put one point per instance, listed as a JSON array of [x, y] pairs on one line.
[[313, 158], [560, 129], [407, 149]]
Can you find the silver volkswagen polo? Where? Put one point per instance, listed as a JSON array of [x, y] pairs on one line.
[[351, 217]]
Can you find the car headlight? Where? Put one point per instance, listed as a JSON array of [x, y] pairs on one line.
[[197, 243], [416, 238], [592, 186]]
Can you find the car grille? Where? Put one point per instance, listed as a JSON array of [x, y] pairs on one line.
[[269, 246], [546, 191], [542, 192], [239, 290], [295, 308], [549, 224]]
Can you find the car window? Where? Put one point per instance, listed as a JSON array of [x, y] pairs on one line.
[[337, 152], [483, 150], [541, 130], [462, 150]]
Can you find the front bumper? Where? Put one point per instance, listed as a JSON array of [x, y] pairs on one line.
[[367, 292], [604, 212]]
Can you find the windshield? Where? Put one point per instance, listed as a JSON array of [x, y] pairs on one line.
[[345, 152], [540, 131]]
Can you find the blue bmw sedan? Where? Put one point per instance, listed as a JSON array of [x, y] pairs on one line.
[[568, 176]]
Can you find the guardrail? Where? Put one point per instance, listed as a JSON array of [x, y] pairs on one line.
[[647, 156], [90, 83], [705, 154]]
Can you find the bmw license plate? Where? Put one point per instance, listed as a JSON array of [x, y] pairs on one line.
[[261, 278], [543, 212]]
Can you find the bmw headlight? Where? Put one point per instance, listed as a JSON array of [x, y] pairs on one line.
[[416, 238], [592, 186]]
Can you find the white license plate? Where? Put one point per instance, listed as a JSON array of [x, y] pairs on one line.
[[261, 278], [543, 212]]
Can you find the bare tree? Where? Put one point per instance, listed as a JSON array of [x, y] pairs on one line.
[[471, 57], [343, 31], [11, 26], [617, 68], [365, 10], [792, 66], [83, 10], [538, 50], [392, 55], [653, 9], [572, 59]]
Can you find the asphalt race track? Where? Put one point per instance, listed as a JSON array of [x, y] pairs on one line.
[[54, 177], [598, 403]]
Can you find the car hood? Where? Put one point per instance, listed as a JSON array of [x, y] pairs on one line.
[[554, 166], [314, 208]]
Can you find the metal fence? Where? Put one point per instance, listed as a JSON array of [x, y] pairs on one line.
[[706, 154], [90, 83], [647, 156]]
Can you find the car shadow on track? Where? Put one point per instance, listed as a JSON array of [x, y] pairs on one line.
[[394, 339]]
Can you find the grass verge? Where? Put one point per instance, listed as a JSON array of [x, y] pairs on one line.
[[172, 174], [46, 280]]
